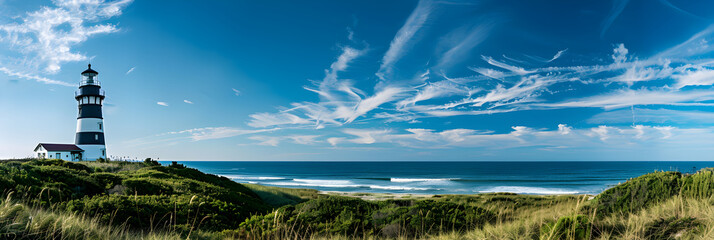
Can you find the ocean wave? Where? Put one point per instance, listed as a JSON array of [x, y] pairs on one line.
[[343, 184], [422, 179], [307, 184], [242, 177], [400, 188], [529, 190]]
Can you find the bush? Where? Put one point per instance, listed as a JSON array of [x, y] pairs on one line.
[[670, 227], [150, 162], [568, 227], [108, 180], [638, 193], [183, 211], [355, 217], [145, 186], [699, 185]]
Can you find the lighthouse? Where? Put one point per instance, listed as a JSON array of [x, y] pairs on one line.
[[90, 124]]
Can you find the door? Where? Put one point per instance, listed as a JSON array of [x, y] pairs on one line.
[[59, 155]]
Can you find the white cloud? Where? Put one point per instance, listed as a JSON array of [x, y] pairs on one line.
[[653, 116], [43, 34], [199, 134], [627, 98], [187, 101], [620, 54], [461, 41], [260, 120], [699, 76], [404, 36], [266, 141], [625, 82], [235, 91], [601, 132], [130, 70], [276, 140], [617, 7], [163, 104], [514, 69], [558, 55], [562, 138], [34, 77], [387, 95]]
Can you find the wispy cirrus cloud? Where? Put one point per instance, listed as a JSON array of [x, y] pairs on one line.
[[627, 98], [130, 70], [295, 139], [162, 104], [187, 101], [50, 33], [562, 137], [193, 135], [617, 7], [501, 86], [461, 41], [45, 80], [406, 34]]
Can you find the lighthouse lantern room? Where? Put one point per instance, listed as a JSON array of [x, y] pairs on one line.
[[90, 124]]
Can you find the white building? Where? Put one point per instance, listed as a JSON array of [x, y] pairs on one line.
[[89, 139], [90, 123], [68, 152]]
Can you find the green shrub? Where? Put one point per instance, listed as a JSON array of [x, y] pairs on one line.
[[108, 180], [662, 229], [568, 227], [353, 216], [145, 186], [638, 193], [699, 185], [165, 211]]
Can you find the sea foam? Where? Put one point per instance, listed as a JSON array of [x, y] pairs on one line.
[[422, 179]]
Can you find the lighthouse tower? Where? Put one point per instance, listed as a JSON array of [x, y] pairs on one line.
[[90, 125]]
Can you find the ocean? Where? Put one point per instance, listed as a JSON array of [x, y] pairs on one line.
[[441, 177]]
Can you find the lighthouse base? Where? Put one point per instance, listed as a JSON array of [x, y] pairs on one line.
[[93, 152]]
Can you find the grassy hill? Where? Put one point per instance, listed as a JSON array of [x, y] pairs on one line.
[[55, 199]]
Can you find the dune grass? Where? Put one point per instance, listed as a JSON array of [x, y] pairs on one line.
[[19, 220], [54, 199], [278, 197]]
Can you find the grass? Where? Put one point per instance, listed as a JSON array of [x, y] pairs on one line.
[[54, 199], [278, 197], [20, 221]]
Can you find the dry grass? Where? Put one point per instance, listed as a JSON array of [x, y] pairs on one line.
[[20, 221], [527, 222]]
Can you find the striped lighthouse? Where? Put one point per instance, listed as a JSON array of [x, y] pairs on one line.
[[90, 124]]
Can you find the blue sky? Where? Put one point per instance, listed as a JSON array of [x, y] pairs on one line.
[[365, 80]]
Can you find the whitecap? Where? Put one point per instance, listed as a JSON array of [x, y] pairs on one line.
[[422, 179], [243, 177], [399, 188]]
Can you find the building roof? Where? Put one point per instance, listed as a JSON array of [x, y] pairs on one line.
[[89, 70], [59, 147]]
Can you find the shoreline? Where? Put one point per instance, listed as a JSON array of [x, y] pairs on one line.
[[378, 196]]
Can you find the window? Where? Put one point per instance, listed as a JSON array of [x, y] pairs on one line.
[[103, 152], [96, 137], [100, 126]]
